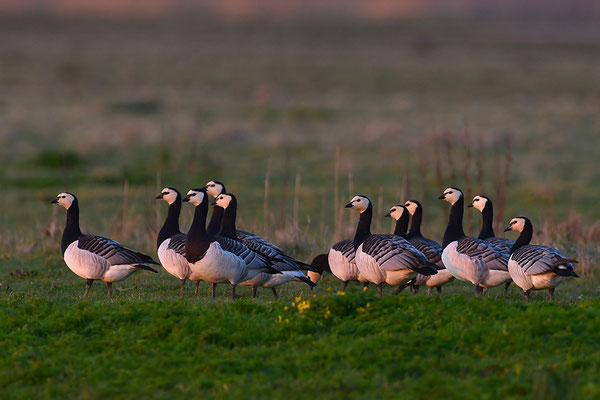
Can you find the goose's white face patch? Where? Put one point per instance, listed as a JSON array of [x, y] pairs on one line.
[[479, 202], [452, 195], [65, 200], [411, 207], [169, 195], [359, 203], [517, 224], [214, 189], [396, 212], [195, 197], [223, 200]]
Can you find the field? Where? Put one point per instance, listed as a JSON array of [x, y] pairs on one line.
[[295, 118]]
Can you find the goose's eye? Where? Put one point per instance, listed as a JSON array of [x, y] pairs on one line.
[[449, 192], [475, 200], [358, 201], [393, 210]]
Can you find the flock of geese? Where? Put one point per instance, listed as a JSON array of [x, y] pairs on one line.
[[218, 252]]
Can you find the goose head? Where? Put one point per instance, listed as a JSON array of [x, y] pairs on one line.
[[412, 206], [359, 203], [223, 200], [65, 200], [479, 202], [516, 224], [195, 196], [214, 188], [169, 195], [451, 195], [396, 211]]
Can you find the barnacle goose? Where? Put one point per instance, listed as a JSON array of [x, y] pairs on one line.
[[170, 242], [96, 257], [289, 271], [485, 206], [342, 262], [431, 249], [470, 259], [319, 264], [253, 241], [535, 267], [218, 259], [384, 258]]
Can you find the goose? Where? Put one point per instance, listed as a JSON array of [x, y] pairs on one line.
[[384, 258], [251, 240], [342, 262], [319, 264], [485, 206], [170, 242], [535, 267], [470, 259], [228, 202], [218, 259], [431, 249], [96, 257]]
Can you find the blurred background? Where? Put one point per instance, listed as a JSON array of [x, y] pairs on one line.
[[297, 105]]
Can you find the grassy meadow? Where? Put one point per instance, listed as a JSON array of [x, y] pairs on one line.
[[295, 118]]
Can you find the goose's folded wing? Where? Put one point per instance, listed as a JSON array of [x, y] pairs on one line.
[[252, 259], [535, 260], [501, 243], [261, 246], [494, 258], [393, 253], [431, 249], [114, 252], [346, 247], [243, 236], [177, 244]]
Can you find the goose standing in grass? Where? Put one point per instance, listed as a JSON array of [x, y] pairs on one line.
[[431, 249], [217, 259], [535, 267], [251, 240], [485, 206], [170, 242], [342, 262], [289, 271], [96, 257], [382, 258], [470, 259]]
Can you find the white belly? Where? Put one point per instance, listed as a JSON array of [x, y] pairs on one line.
[[463, 267], [258, 280], [218, 266], [117, 273], [341, 268], [442, 277], [495, 278], [398, 277], [278, 280], [519, 278], [368, 267], [84, 263], [546, 281], [173, 262]]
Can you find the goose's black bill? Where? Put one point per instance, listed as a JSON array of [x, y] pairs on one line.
[[470, 204], [349, 205], [442, 197], [213, 203], [54, 201], [389, 213], [159, 197], [507, 229], [186, 198]]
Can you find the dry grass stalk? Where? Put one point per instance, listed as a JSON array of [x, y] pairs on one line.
[[468, 192], [266, 199], [296, 199], [439, 176]]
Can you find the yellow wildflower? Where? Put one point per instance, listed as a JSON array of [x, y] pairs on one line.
[[340, 293]]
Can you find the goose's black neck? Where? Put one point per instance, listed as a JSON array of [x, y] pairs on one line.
[[72, 231], [228, 223], [415, 226], [171, 226], [214, 225], [524, 238], [402, 225], [454, 230], [363, 229], [198, 240], [487, 216]]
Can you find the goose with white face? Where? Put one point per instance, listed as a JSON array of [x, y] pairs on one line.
[[396, 212], [194, 197], [64, 199], [223, 200], [516, 224], [451, 195], [168, 194], [214, 188], [411, 207], [359, 203], [479, 202]]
